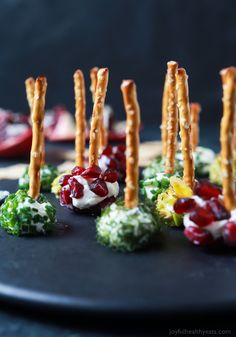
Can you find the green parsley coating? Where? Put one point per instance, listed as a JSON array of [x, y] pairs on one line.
[[48, 173], [21, 215], [125, 229]]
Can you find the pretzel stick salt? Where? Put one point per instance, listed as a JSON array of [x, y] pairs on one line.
[[101, 88], [195, 109], [128, 89], [228, 76], [37, 130], [172, 123], [164, 118], [185, 127], [80, 105], [29, 86]]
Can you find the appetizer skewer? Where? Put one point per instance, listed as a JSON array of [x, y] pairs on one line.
[[167, 187], [111, 157], [210, 214], [30, 212], [91, 189], [48, 172], [128, 226]]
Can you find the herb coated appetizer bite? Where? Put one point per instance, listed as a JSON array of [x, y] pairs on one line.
[[48, 172], [128, 226], [90, 189], [179, 187], [30, 212], [203, 156], [111, 157], [167, 186], [210, 214]]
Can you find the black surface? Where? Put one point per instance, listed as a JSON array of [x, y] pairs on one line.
[[133, 38], [71, 271]]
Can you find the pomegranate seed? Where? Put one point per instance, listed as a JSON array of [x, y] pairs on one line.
[[184, 205], [201, 216], [91, 172], [107, 151], [99, 187], [77, 170], [110, 175], [65, 198], [64, 179], [121, 148], [198, 236], [120, 156], [111, 163], [206, 190], [229, 233], [77, 189], [217, 209]]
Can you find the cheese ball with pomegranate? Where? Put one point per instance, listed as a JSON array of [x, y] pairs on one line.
[[89, 190]]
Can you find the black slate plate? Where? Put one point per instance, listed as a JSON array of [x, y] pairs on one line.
[[71, 271]]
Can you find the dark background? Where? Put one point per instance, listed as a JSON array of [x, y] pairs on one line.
[[134, 39]]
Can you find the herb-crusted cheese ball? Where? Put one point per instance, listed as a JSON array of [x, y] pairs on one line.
[[21, 215], [47, 174], [126, 229], [203, 158], [216, 172], [166, 200], [152, 187], [158, 166]]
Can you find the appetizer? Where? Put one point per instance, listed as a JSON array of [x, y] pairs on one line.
[[152, 187], [48, 172], [30, 212], [179, 187], [210, 215], [111, 157], [90, 189], [203, 156], [128, 226]]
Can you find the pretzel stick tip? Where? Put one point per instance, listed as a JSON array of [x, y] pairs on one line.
[[132, 109], [93, 77], [164, 118], [29, 86], [228, 77], [80, 118], [172, 121], [185, 127], [195, 109], [98, 107], [37, 131]]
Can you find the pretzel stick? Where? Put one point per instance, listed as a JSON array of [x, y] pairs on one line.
[[164, 118], [172, 123], [228, 77], [93, 77], [195, 109], [98, 107], [80, 105], [185, 127], [103, 132], [29, 86], [37, 130], [128, 89]]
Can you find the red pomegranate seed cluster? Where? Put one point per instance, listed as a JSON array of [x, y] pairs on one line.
[[115, 159], [96, 180], [209, 211]]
